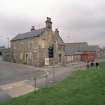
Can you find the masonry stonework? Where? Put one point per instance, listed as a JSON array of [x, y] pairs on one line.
[[32, 47]]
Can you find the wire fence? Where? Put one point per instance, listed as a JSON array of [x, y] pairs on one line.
[[52, 75], [46, 79]]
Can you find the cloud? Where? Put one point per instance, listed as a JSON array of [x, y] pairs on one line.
[[84, 22], [77, 20]]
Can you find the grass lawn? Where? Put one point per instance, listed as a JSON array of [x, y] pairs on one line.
[[86, 87]]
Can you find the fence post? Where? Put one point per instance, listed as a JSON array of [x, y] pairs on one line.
[[46, 77], [46, 80], [35, 84], [53, 74]]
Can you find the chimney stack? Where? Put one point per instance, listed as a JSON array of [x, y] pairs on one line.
[[57, 31], [48, 23]]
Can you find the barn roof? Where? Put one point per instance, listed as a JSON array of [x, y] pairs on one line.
[[74, 48], [91, 48], [78, 48]]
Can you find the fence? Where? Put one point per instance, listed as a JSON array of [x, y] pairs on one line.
[[53, 74], [46, 79]]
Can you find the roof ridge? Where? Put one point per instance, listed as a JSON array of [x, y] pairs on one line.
[[29, 34]]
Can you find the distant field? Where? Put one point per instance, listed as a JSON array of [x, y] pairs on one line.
[[86, 87]]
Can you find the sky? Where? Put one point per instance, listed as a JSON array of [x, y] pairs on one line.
[[77, 20]]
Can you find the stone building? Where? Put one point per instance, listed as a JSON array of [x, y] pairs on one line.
[[6, 54], [73, 51], [38, 47], [76, 52], [90, 53]]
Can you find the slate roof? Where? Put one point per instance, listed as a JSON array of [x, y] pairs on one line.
[[91, 48], [74, 48], [34, 33], [78, 48]]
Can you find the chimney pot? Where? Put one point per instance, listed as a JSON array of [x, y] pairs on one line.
[[56, 30], [33, 28]]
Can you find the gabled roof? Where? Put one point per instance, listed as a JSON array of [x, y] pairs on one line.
[[34, 33]]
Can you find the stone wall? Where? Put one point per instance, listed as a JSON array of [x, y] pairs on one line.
[[6, 54], [34, 51]]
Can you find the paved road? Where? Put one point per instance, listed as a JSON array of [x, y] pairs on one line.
[[11, 72], [4, 96]]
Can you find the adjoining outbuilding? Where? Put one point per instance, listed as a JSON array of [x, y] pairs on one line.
[[76, 52], [90, 53], [73, 51]]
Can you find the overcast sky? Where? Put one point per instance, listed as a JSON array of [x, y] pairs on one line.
[[77, 20]]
